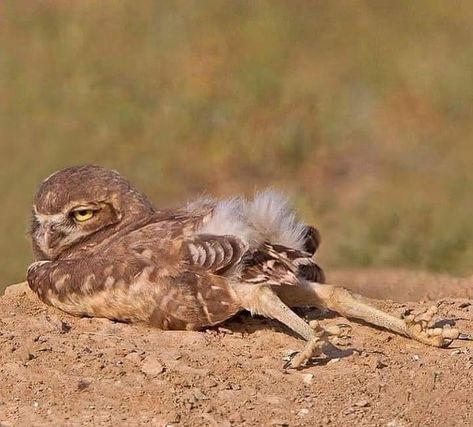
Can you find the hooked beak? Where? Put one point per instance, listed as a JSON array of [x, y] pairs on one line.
[[49, 236]]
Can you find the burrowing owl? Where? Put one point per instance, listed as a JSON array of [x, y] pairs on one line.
[[102, 250]]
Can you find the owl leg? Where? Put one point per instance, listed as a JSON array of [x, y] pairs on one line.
[[351, 305], [264, 301]]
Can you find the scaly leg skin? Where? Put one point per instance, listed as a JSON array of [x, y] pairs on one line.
[[316, 345], [264, 301], [355, 306]]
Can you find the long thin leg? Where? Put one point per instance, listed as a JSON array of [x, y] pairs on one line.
[[351, 305], [270, 305], [264, 301]]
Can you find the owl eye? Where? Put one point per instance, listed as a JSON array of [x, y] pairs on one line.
[[82, 215]]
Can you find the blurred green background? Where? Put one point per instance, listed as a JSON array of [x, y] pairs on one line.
[[362, 110]]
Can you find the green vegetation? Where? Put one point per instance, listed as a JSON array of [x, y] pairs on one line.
[[362, 110]]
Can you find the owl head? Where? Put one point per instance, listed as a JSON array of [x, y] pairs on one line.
[[77, 206]]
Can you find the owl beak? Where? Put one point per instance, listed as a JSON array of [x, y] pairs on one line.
[[49, 237], [53, 236]]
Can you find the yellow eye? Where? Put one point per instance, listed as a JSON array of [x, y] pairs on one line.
[[83, 215]]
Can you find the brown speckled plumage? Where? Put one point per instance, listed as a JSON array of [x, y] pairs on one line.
[[184, 268]]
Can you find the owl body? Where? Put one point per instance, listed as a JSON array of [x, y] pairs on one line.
[[103, 250]]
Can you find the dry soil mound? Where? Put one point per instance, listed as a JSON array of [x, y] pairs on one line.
[[60, 370]]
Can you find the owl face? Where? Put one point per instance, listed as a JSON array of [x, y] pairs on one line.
[[54, 232], [76, 204]]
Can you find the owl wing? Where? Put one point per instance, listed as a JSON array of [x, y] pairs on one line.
[[215, 254], [135, 289], [198, 293], [270, 264], [227, 255], [275, 264], [186, 272]]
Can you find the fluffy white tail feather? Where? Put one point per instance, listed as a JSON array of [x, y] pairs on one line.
[[228, 219], [272, 217], [268, 217]]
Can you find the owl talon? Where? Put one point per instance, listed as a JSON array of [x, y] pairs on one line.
[[420, 328], [313, 348], [465, 337], [316, 345]]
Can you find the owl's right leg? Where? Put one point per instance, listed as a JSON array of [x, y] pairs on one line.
[[263, 300]]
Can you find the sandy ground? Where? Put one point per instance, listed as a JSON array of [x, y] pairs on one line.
[[60, 370]]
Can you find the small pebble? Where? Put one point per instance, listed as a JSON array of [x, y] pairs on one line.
[[380, 364], [278, 423], [133, 357], [210, 382], [27, 356], [362, 403], [197, 392], [303, 412], [233, 386], [236, 418], [151, 366], [83, 384], [173, 418], [308, 378]]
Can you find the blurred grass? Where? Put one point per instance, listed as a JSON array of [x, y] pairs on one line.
[[362, 110]]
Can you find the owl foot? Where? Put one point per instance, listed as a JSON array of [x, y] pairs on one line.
[[420, 327], [316, 345]]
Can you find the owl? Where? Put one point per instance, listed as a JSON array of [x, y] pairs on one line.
[[102, 249]]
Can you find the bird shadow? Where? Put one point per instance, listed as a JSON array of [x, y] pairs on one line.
[[333, 353], [245, 323], [444, 322]]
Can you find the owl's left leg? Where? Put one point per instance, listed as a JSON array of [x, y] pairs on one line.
[[348, 304], [263, 300]]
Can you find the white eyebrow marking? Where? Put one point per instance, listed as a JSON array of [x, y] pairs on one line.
[[42, 218]]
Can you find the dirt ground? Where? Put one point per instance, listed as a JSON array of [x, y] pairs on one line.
[[59, 370]]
